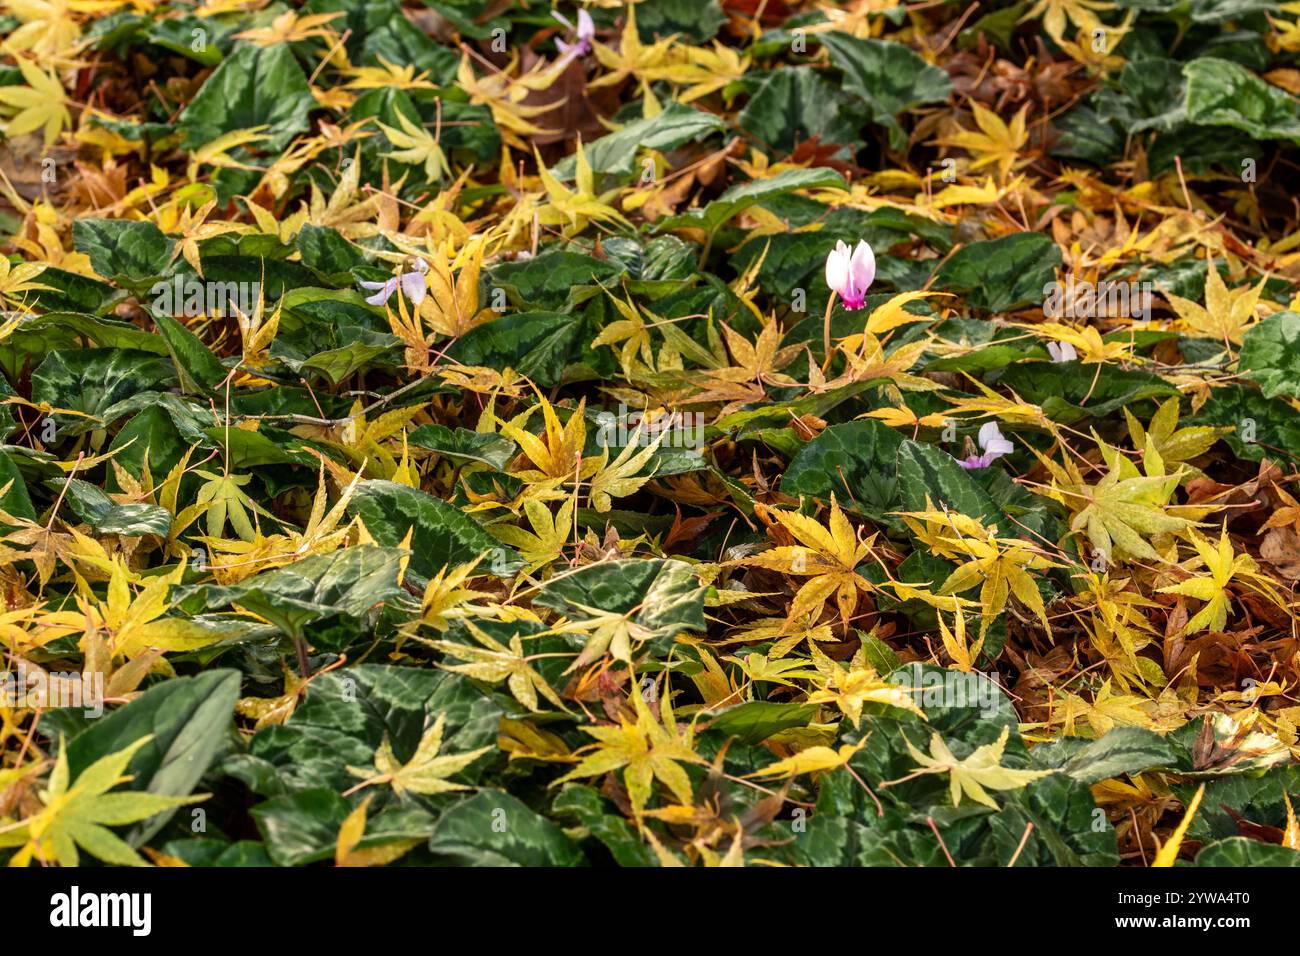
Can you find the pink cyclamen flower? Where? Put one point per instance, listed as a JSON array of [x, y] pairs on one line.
[[585, 32], [411, 283], [1062, 351], [992, 447], [850, 273]]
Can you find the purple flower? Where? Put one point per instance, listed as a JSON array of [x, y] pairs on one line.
[[850, 273], [992, 445], [411, 283], [585, 33]]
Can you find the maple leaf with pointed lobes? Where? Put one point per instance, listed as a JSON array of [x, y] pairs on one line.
[[78, 814], [1083, 48], [405, 324], [548, 538], [621, 477], [426, 773], [850, 688], [16, 280], [1012, 410], [194, 228], [761, 361], [717, 686], [452, 306], [298, 154], [233, 560], [388, 76], [632, 58], [43, 545], [343, 211], [963, 654], [445, 594], [903, 417], [348, 850], [503, 94], [1087, 342], [416, 146], [1168, 851], [996, 143], [557, 454], [274, 711], [257, 331], [574, 207], [1103, 712], [1174, 445], [701, 70], [34, 627], [959, 194], [1054, 13], [1119, 511], [217, 153], [220, 499], [815, 759], [1287, 514], [135, 623], [289, 27], [1119, 626], [1000, 566], [860, 20], [41, 104], [524, 740], [942, 531], [892, 313], [364, 440], [761, 668], [970, 777], [1291, 835], [495, 662], [784, 637], [636, 356], [645, 750], [49, 29], [45, 247], [1224, 567], [439, 220], [827, 556], [1226, 315]]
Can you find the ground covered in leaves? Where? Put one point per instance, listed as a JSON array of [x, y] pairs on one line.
[[430, 437]]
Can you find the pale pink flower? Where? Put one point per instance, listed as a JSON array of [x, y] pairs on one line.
[[992, 447], [411, 283], [584, 33], [1062, 351], [850, 273]]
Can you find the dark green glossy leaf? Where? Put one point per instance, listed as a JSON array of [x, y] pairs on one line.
[[254, 86], [442, 536], [492, 828], [1270, 355]]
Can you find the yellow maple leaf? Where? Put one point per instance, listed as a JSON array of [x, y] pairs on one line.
[[982, 769], [42, 103], [1054, 13], [828, 556], [416, 146], [996, 143], [645, 750], [427, 771], [1226, 315], [1223, 566], [815, 759]]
